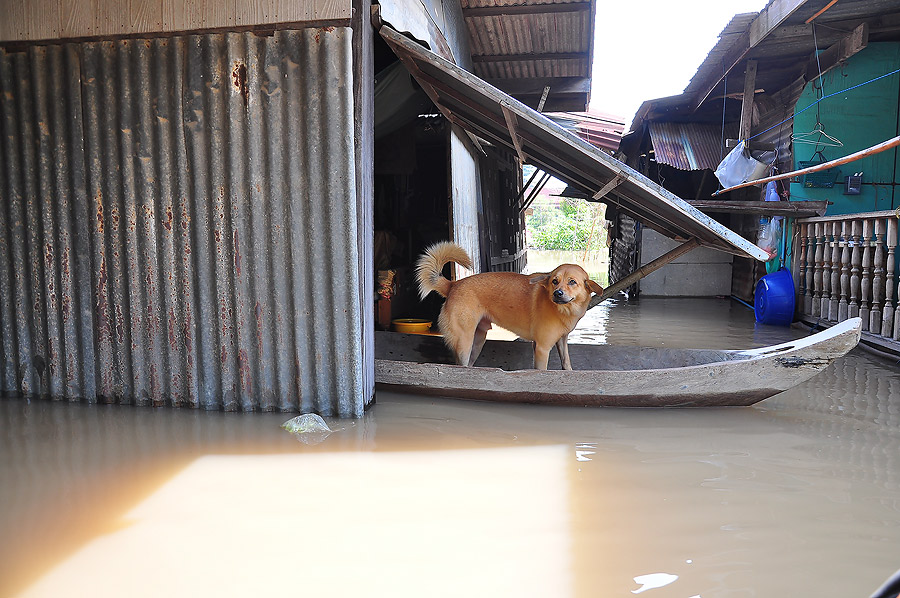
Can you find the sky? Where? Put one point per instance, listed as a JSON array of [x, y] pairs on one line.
[[647, 49]]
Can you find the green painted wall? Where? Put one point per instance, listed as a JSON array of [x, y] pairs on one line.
[[860, 118]]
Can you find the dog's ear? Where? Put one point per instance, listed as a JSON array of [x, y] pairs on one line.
[[593, 286], [539, 278]]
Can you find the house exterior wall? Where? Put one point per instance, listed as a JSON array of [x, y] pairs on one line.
[[178, 223], [48, 19], [702, 272], [860, 118]]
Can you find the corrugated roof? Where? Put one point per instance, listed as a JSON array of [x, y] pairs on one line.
[[783, 39], [689, 146], [489, 113], [524, 39], [598, 129], [713, 63]]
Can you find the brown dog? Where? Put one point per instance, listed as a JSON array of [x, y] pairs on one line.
[[542, 307]]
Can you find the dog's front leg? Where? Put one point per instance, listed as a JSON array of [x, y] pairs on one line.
[[562, 347], [541, 356]]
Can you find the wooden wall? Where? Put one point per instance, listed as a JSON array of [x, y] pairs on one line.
[[32, 20]]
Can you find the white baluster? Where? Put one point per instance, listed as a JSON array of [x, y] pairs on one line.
[[866, 282], [818, 266], [887, 322], [835, 272], [855, 267], [877, 279], [845, 271], [805, 275]]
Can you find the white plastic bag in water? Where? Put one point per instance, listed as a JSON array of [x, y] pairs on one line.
[[739, 167]]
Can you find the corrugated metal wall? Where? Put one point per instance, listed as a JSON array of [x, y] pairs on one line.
[[178, 222]]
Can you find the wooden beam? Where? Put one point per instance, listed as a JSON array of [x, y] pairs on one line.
[[796, 209], [835, 54], [529, 9], [643, 271], [609, 186], [525, 57], [747, 102], [535, 85], [770, 18], [543, 101], [875, 149], [513, 133]]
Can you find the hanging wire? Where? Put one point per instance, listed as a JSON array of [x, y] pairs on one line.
[[724, 98], [894, 72], [815, 137], [818, 64], [821, 90]]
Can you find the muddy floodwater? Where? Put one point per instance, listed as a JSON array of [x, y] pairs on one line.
[[798, 496]]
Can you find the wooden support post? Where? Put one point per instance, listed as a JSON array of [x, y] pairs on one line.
[[643, 271], [747, 103], [544, 95], [609, 186], [511, 124]]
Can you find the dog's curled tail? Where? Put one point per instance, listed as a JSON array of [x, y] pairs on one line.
[[429, 266]]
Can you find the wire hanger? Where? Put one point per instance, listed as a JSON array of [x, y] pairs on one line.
[[817, 137]]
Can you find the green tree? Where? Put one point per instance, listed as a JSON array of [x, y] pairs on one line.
[[569, 224]]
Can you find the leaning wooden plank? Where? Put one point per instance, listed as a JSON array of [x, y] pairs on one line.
[[488, 112]]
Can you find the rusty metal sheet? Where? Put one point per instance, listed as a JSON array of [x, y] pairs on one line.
[[690, 146], [487, 112], [178, 223]]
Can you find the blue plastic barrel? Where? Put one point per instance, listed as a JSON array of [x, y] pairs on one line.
[[774, 299]]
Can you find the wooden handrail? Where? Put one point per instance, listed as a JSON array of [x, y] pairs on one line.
[[858, 216]]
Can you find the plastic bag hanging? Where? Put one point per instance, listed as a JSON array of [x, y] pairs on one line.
[[739, 167]]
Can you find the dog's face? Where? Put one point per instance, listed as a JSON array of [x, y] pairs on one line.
[[567, 283]]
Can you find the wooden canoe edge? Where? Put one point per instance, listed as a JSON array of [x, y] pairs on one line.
[[751, 376]]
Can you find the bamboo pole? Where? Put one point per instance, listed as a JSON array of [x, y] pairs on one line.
[[643, 271], [875, 149]]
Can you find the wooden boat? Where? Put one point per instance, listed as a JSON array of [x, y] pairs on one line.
[[608, 375]]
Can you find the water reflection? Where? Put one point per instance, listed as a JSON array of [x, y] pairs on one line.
[[652, 581], [342, 524], [440, 497]]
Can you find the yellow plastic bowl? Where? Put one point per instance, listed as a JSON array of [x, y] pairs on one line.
[[411, 325]]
